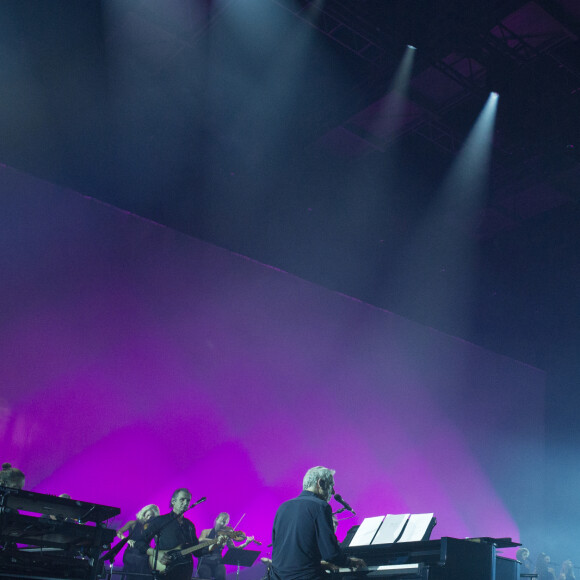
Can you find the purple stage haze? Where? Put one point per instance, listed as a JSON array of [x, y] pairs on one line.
[[136, 360]]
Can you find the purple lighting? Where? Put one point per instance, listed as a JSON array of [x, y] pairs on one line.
[[138, 360]]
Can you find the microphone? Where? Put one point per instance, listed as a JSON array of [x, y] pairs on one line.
[[201, 500], [339, 499]]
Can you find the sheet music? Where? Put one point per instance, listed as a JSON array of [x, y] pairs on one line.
[[391, 528], [366, 531], [417, 527]]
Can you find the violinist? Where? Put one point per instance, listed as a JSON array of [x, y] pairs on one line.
[[135, 561], [211, 565]]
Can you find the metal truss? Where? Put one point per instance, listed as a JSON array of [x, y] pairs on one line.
[[332, 25]]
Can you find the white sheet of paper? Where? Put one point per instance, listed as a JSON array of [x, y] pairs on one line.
[[366, 531], [390, 528], [416, 527]]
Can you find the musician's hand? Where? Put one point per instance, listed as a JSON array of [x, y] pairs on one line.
[[131, 543], [222, 540], [120, 535], [249, 539], [329, 566], [357, 563], [164, 559]]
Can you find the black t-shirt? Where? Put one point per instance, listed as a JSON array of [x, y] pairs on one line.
[[173, 532]]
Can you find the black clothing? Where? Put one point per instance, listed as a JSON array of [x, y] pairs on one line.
[[134, 560], [171, 532], [545, 573], [303, 535], [212, 566]]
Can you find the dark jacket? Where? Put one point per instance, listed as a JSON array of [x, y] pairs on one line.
[[303, 535]]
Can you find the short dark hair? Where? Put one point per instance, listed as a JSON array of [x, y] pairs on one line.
[[177, 492]]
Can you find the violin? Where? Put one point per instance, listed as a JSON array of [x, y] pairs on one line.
[[236, 535]]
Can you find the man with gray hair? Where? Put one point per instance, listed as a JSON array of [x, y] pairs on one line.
[[303, 533]]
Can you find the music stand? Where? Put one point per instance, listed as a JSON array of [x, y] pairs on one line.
[[240, 557]]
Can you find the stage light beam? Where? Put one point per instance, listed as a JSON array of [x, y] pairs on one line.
[[391, 116], [470, 170]]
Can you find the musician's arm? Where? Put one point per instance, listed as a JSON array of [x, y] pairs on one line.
[[249, 539], [143, 545], [222, 540], [129, 525], [195, 541], [217, 547], [328, 544]]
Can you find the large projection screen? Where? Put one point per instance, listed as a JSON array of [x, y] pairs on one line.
[[136, 360]]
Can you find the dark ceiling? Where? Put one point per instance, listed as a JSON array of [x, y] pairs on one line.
[[252, 124]]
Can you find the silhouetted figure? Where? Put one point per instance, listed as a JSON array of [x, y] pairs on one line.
[[134, 560], [303, 533], [543, 568], [11, 476], [523, 555], [567, 571]]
